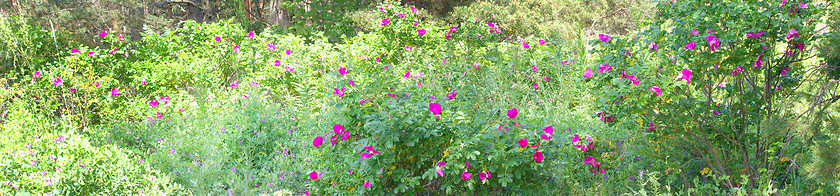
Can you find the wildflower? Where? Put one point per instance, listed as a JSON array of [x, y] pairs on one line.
[[421, 31], [784, 71], [694, 32], [576, 138], [90, 54], [103, 34], [370, 148], [545, 136], [686, 75], [159, 115], [58, 82], [758, 63], [589, 160], [523, 142], [651, 126], [652, 46], [37, 74], [153, 103], [339, 92], [72, 90], [755, 35], [386, 21], [799, 46], [495, 28], [465, 176], [413, 10], [452, 29], [714, 42], [74, 51], [234, 84], [236, 48], [451, 95], [735, 71], [338, 129], [604, 118], [434, 108], [538, 157], [271, 47], [218, 39], [486, 174], [439, 171], [351, 82], [604, 38], [691, 45], [542, 42], [251, 35], [536, 86], [342, 70], [318, 141], [792, 34], [583, 148], [604, 68], [121, 38], [525, 45], [367, 184], [314, 175], [549, 130], [115, 92], [632, 78], [512, 113], [288, 52], [656, 90], [588, 73]]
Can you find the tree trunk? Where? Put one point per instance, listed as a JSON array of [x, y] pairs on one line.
[[277, 15], [248, 13]]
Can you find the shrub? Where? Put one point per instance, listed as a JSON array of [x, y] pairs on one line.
[[40, 155], [727, 72]]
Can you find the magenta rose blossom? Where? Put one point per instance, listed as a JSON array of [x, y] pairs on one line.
[[318, 141], [512, 113], [538, 157]]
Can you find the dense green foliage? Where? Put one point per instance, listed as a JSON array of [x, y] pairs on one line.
[[734, 112], [415, 105]]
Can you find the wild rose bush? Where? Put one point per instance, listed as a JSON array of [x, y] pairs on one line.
[[221, 111], [411, 107], [421, 126], [718, 79]]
